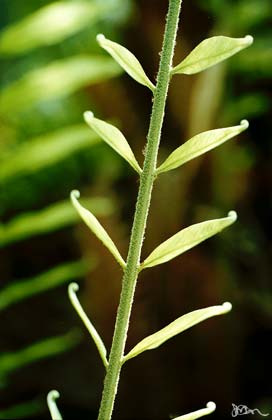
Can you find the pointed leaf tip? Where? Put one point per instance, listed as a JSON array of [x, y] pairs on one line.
[[210, 408], [186, 239], [181, 324], [126, 60], [210, 52], [95, 226], [113, 137]]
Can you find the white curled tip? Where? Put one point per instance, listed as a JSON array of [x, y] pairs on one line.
[[211, 405], [51, 402], [244, 123], [100, 38], [232, 215], [73, 288], [53, 395], [88, 116], [227, 306], [75, 194], [210, 408], [248, 39]]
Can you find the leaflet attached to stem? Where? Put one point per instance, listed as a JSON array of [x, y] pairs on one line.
[[200, 144], [186, 239], [126, 60], [92, 222], [210, 52], [113, 137], [179, 325]]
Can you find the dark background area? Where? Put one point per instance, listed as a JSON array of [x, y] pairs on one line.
[[225, 359]]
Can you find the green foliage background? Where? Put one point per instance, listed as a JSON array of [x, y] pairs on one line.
[[50, 73]]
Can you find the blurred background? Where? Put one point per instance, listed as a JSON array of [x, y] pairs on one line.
[[52, 70]]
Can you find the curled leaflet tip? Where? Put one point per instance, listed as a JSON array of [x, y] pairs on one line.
[[75, 194], [73, 287], [88, 115], [244, 123], [233, 215], [211, 405], [249, 39], [53, 395], [227, 306], [100, 38]]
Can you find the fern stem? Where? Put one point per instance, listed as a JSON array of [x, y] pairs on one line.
[[141, 212]]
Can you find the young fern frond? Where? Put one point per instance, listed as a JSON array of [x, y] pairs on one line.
[[186, 239], [200, 144], [126, 60], [113, 137], [72, 289], [210, 52], [176, 327], [52, 405], [210, 408], [92, 222]]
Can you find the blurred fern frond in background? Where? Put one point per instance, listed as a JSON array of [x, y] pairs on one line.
[[49, 63]]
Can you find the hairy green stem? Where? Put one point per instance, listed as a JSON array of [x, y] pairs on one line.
[[142, 207]]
